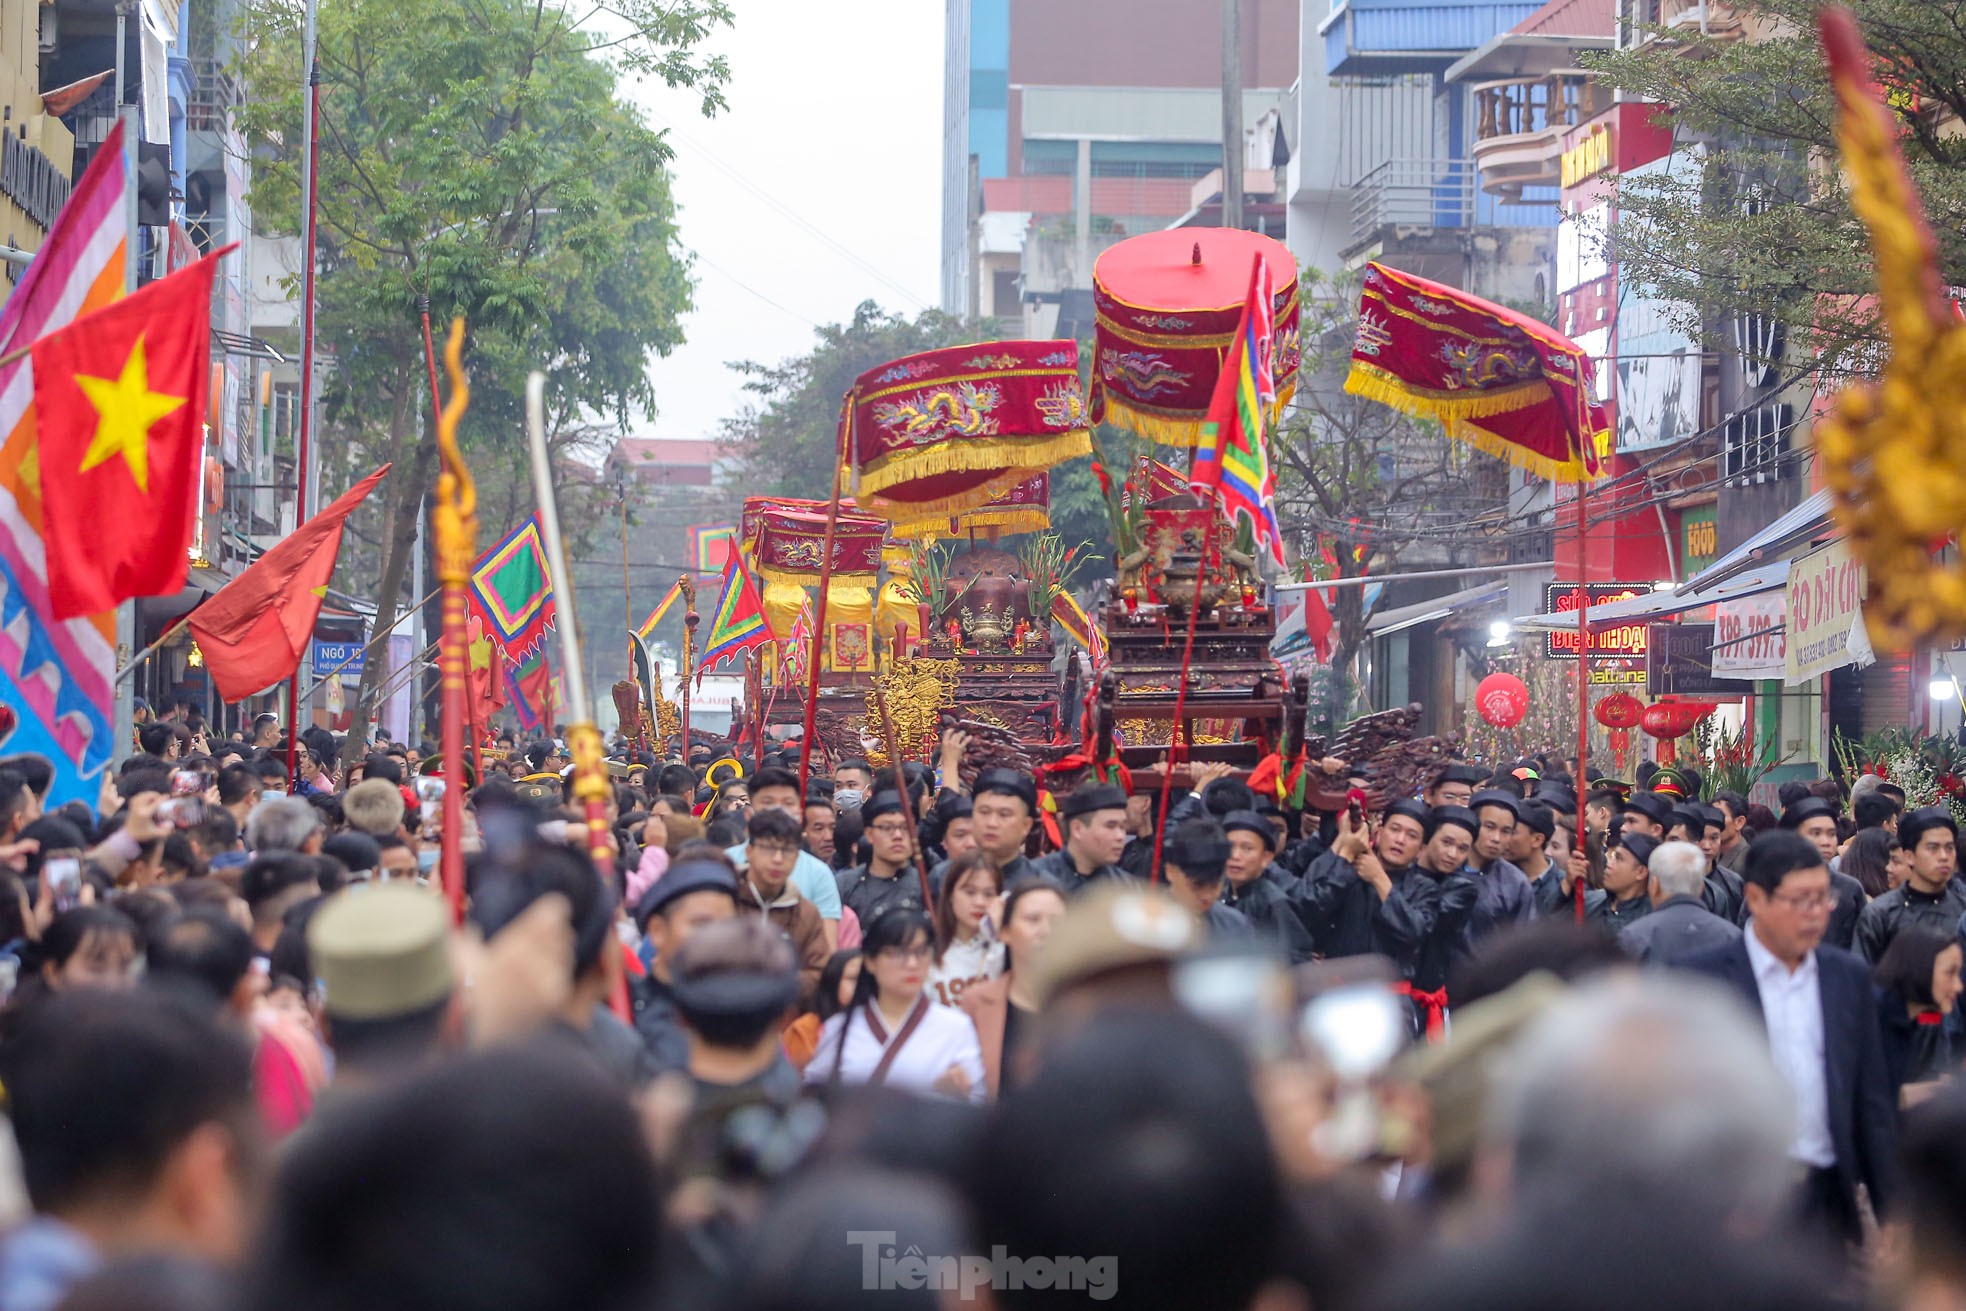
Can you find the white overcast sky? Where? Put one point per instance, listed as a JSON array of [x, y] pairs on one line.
[[832, 140]]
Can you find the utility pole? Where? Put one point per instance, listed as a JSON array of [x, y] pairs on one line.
[[1231, 113]]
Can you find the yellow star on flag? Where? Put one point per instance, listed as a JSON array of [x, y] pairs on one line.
[[126, 408]]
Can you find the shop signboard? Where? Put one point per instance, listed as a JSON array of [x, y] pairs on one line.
[[1678, 662], [1624, 642], [1750, 637], [1825, 599]]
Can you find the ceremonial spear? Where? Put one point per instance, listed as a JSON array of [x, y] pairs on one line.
[[590, 772], [454, 515]]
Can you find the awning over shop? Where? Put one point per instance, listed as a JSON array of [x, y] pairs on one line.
[[1437, 607], [1787, 536], [1663, 605]]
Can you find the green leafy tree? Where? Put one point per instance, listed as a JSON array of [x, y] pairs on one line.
[[1760, 223], [477, 153]]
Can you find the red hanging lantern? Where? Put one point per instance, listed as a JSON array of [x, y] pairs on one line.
[[1502, 700], [1687, 714], [1664, 721], [1621, 745], [1620, 710]]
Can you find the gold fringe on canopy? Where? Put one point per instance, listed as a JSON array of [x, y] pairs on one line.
[[1012, 460], [1179, 428], [798, 578], [1454, 410]]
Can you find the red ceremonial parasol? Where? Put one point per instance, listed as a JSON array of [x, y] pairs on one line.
[[935, 434], [1025, 508], [1168, 305]]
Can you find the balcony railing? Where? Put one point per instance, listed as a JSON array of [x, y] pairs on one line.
[[1536, 104], [1519, 127], [1414, 193], [215, 92]]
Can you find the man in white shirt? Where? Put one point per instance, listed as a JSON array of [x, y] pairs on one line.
[[1815, 1001]]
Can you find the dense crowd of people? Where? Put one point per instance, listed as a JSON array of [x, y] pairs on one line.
[[871, 1035]]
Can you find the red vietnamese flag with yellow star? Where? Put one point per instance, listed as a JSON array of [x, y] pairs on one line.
[[119, 405]]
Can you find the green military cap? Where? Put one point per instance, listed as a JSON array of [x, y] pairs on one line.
[[542, 789], [381, 951], [433, 766]]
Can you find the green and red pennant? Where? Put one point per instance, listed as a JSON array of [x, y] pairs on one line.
[[513, 592], [740, 620]]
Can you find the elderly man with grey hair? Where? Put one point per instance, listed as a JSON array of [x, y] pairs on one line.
[[1656, 1090], [284, 824], [1680, 924]]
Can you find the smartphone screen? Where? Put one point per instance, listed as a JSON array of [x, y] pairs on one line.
[[64, 875]]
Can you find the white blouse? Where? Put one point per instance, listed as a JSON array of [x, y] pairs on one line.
[[943, 1037], [977, 961]]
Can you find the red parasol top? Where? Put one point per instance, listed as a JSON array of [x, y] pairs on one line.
[[1168, 305], [942, 432]]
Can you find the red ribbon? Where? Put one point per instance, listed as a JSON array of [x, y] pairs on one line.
[[1931, 1019], [1435, 1003]]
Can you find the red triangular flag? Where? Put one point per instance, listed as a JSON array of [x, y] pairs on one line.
[[254, 631], [119, 409], [1318, 622]]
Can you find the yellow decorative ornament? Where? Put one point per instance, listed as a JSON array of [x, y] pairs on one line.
[[1893, 453], [782, 603], [917, 692], [899, 599], [850, 617]]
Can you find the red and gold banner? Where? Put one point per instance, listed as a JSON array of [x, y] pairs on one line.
[[1025, 508], [935, 434], [1498, 380], [789, 545], [1167, 306]]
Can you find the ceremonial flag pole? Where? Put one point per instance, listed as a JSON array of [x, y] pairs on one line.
[[590, 773], [1230, 468], [819, 610], [640, 737], [907, 798], [1525, 397], [1583, 684], [690, 620], [454, 514], [303, 442]]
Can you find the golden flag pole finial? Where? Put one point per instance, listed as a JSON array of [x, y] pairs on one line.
[[454, 515], [1893, 453]]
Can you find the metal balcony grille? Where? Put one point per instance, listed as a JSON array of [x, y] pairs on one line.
[[1414, 193]]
